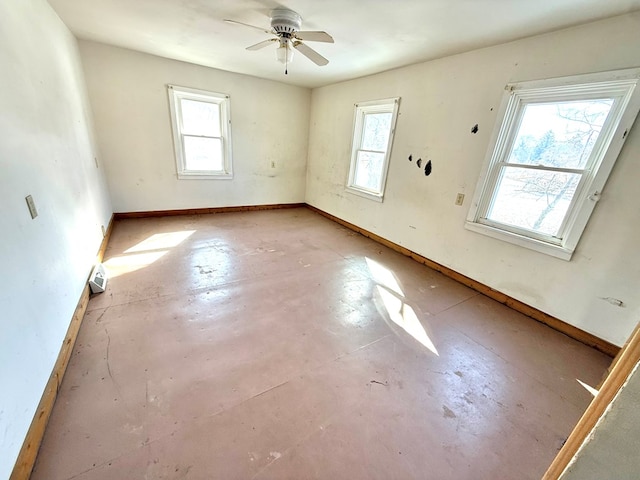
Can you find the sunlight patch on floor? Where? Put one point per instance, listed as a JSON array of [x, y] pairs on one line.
[[588, 388], [161, 241], [146, 252], [394, 301], [383, 276]]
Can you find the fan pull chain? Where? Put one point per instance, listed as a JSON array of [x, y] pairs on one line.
[[286, 60]]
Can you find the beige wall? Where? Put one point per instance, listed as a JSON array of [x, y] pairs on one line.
[[441, 101], [128, 92], [47, 151]]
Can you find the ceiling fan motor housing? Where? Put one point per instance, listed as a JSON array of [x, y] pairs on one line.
[[285, 22]]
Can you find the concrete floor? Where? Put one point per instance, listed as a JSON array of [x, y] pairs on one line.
[[278, 344]]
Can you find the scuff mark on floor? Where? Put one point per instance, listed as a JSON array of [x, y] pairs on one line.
[[385, 383], [447, 412], [99, 319]]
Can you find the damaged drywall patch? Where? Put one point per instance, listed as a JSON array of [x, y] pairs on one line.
[[427, 167]]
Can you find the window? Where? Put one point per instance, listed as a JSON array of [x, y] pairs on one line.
[[374, 125], [201, 133], [553, 148]]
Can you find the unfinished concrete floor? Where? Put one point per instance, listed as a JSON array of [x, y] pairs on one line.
[[278, 344]]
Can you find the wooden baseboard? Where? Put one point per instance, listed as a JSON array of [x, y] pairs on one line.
[[555, 323], [205, 211], [105, 240], [29, 451], [635, 334]]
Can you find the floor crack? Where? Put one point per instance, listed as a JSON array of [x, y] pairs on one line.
[[108, 364]]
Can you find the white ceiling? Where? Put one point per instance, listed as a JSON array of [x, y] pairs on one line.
[[370, 35]]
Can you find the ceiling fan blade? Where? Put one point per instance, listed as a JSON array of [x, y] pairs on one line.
[[262, 44], [233, 22], [315, 37], [310, 53]]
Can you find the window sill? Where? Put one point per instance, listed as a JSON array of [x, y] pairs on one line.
[[364, 194], [205, 176], [520, 240]]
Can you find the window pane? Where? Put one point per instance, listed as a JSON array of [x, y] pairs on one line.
[[375, 131], [369, 170], [200, 118], [559, 134], [203, 153], [535, 200]]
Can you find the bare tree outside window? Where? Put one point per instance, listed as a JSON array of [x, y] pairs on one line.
[[553, 147], [560, 138], [201, 125], [372, 139], [370, 160]]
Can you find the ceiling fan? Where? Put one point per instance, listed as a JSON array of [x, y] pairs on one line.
[[285, 26]]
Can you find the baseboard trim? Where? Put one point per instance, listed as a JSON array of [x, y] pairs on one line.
[[553, 322], [29, 451], [205, 211], [105, 240]]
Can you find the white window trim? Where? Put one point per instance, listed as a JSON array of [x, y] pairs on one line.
[[385, 105], [176, 94], [622, 83]]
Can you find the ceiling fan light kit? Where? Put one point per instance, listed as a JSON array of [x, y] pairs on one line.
[[285, 25], [284, 54]]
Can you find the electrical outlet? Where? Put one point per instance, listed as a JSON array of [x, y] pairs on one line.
[[32, 206], [459, 199]]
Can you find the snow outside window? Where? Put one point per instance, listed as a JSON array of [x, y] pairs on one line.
[[553, 149]]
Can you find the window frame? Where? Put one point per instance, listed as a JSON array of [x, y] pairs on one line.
[[386, 105], [622, 85], [176, 95]]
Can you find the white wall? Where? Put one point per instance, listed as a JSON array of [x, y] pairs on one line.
[[47, 151], [441, 101], [611, 450], [128, 91]]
